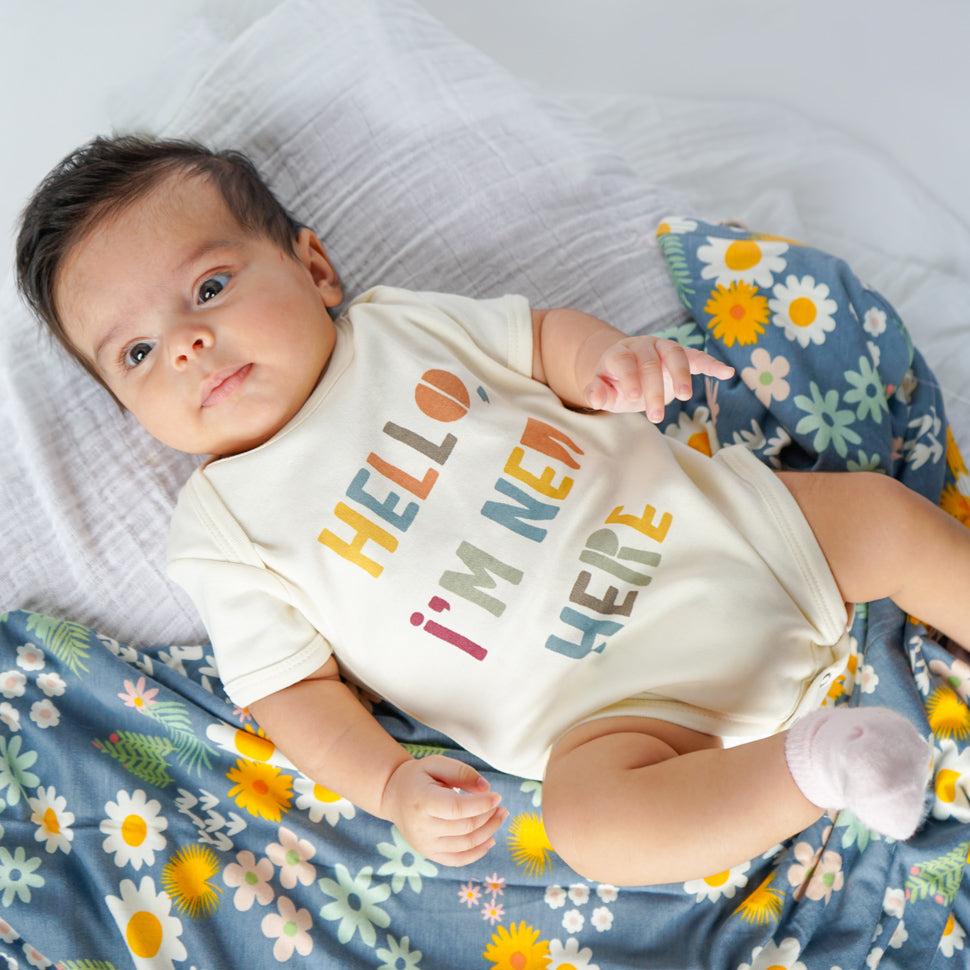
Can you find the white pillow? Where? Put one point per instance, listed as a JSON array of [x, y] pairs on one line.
[[420, 163]]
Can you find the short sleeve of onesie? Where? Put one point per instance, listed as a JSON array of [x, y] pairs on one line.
[[241, 602]]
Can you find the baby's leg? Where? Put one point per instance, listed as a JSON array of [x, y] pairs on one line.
[[636, 801], [883, 540]]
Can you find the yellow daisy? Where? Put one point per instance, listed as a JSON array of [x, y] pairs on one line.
[[529, 844], [517, 948], [186, 880], [953, 457], [261, 789], [763, 905], [738, 313], [949, 717], [956, 504]]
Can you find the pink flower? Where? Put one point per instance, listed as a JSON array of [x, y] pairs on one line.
[[250, 879], [469, 894], [136, 696], [495, 884], [493, 912], [292, 855], [289, 929], [818, 875]]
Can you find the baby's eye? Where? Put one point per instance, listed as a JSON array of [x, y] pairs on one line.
[[136, 353], [212, 287]]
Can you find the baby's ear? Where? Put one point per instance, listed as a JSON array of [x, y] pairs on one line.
[[310, 252]]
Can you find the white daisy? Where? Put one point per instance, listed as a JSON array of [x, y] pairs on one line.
[[134, 829], [144, 918], [570, 955], [48, 811], [722, 885], [248, 745], [676, 224], [952, 782], [802, 308], [751, 261], [321, 803]]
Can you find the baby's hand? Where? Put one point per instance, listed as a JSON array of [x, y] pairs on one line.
[[646, 373], [454, 828]]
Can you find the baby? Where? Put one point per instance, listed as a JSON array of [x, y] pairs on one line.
[[456, 504]]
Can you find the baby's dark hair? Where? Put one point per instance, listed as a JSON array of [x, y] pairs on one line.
[[106, 176]]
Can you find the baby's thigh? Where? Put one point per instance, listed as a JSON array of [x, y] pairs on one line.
[[634, 734], [598, 788], [591, 763]]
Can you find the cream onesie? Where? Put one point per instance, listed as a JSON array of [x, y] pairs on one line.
[[495, 564]]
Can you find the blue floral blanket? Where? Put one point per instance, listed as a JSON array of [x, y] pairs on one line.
[[146, 823]]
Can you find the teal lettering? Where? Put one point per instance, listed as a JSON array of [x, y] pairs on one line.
[[590, 629], [511, 516], [385, 509]]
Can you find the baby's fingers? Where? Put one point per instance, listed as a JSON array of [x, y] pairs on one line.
[[703, 363], [466, 847], [616, 384]]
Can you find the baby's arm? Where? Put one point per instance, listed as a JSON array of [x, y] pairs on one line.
[[588, 363], [321, 726]]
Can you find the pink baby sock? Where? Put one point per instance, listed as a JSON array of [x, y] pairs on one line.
[[869, 760]]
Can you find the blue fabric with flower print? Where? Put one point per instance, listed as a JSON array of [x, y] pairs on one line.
[[145, 823]]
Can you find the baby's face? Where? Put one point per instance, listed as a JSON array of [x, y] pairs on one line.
[[213, 337]]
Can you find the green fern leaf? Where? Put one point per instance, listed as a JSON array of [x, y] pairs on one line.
[[422, 750], [673, 250], [141, 754], [939, 878], [69, 642], [86, 965], [190, 750]]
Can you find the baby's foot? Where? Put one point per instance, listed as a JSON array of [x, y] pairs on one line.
[[869, 760]]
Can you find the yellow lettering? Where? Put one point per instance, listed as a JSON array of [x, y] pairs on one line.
[[543, 484], [643, 523], [364, 530]]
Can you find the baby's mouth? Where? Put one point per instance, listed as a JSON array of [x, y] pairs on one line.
[[223, 384]]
